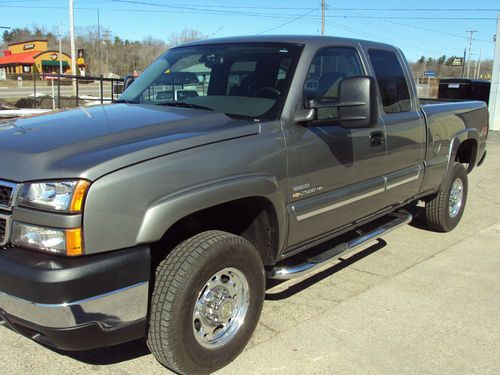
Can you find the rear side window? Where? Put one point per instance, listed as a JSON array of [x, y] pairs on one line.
[[391, 81]]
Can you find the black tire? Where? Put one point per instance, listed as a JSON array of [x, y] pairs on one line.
[[179, 279], [437, 209]]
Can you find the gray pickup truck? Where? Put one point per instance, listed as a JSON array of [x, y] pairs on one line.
[[161, 216]]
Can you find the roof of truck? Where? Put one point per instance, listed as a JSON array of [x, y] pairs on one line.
[[294, 39]]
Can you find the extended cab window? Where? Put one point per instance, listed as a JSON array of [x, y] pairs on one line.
[[328, 68], [391, 81]]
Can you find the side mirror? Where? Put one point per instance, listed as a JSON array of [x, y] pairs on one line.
[[305, 115], [356, 105], [358, 102], [127, 81]]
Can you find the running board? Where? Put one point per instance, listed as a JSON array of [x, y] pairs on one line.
[[318, 261]]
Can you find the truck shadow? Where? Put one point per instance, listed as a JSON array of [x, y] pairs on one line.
[[419, 220], [138, 348], [110, 355], [317, 277]]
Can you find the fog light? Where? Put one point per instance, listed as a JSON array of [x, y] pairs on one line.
[[51, 240]]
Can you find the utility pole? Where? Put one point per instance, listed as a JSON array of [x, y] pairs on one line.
[[463, 65], [477, 69], [471, 38], [323, 9], [105, 43], [60, 50], [72, 39], [495, 84], [99, 43]]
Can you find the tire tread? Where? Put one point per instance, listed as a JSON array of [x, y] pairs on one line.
[[170, 274]]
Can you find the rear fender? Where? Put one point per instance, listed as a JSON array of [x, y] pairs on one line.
[[456, 141]]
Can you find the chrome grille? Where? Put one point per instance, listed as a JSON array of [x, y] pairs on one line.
[[5, 195], [3, 231]]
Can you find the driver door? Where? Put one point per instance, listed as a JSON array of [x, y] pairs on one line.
[[336, 174]]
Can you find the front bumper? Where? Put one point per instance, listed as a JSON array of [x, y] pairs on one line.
[[75, 304]]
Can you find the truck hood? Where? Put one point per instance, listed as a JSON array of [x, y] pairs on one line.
[[90, 142]]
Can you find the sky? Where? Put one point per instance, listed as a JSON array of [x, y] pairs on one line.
[[424, 27]]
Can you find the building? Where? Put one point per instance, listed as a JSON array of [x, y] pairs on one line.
[[32, 56]]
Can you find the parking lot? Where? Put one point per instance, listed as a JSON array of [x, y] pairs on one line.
[[415, 303]]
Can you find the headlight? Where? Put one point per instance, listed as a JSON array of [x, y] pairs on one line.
[[51, 240], [54, 195]]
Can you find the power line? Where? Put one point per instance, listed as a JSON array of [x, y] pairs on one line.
[[288, 22], [422, 9], [384, 38], [249, 14], [427, 29], [417, 18]]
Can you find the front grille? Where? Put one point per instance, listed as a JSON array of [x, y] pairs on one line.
[[3, 230], [5, 195]]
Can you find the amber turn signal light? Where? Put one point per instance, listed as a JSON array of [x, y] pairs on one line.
[[79, 195]]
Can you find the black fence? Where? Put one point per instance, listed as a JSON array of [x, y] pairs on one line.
[[67, 90]]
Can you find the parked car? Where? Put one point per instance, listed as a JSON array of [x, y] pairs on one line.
[[162, 218]]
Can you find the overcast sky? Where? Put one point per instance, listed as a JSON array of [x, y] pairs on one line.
[[425, 27]]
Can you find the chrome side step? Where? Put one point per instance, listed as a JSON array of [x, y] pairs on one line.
[[318, 261]]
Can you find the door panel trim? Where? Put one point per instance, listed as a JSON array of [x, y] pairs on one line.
[[339, 204], [413, 171], [331, 200], [304, 209]]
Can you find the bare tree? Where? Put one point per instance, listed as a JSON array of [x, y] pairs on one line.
[[186, 35]]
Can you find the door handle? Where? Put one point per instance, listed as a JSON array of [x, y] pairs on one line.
[[377, 139]]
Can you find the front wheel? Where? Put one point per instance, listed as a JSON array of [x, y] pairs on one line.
[[206, 302], [445, 209]]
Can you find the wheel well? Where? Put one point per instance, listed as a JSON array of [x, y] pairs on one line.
[[467, 153], [252, 218]]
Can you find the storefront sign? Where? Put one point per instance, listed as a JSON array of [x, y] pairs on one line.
[[54, 56], [81, 57], [457, 61], [28, 46]]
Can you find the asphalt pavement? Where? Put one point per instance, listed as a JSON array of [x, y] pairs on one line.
[[417, 302]]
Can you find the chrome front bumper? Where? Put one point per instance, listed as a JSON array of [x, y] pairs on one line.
[[75, 303], [109, 311]]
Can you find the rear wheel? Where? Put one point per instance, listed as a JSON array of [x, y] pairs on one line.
[[206, 302], [445, 209]]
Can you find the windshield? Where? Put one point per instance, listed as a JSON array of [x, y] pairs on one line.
[[240, 80]]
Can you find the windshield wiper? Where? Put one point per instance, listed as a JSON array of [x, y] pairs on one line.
[[185, 105], [126, 101]]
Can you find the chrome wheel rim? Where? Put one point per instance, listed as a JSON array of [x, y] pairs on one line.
[[456, 197], [220, 308]]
